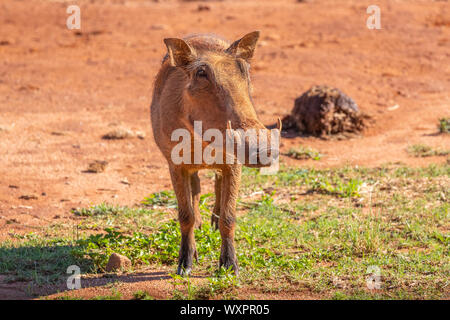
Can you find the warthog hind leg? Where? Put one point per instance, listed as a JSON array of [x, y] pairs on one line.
[[195, 186], [218, 191]]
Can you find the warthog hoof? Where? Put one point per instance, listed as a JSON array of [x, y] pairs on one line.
[[228, 257], [215, 221], [183, 272], [226, 263], [185, 262], [198, 223]]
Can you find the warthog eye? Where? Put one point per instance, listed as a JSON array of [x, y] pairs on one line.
[[201, 73]]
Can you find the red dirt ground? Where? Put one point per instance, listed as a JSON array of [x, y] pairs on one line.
[[61, 90]]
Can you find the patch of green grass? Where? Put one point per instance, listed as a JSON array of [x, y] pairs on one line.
[[67, 297], [223, 285], [163, 198], [358, 295], [101, 209], [161, 246], [115, 295], [345, 221], [322, 181], [139, 219], [183, 288], [38, 260], [444, 125], [142, 295], [421, 150], [316, 231], [139, 247], [303, 153]]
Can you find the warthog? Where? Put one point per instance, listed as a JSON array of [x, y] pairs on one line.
[[205, 78]]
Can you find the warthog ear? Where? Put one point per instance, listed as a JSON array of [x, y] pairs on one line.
[[244, 47], [180, 53]]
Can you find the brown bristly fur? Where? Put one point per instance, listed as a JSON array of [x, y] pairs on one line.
[[204, 78]]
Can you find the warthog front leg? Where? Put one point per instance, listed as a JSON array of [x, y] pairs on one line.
[[181, 180], [231, 178]]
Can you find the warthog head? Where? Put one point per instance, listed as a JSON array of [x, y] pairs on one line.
[[216, 90]]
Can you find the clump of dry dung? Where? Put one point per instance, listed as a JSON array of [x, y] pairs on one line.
[[118, 133], [123, 133], [324, 111], [28, 197]]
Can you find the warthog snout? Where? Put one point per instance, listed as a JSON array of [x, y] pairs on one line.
[[256, 147], [263, 156]]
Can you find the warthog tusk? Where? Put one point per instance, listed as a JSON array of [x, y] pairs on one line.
[[279, 124], [229, 125]]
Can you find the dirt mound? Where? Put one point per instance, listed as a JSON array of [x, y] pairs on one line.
[[324, 111]]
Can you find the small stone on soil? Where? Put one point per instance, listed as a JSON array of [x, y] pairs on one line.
[[140, 134], [25, 207], [117, 262], [203, 7], [159, 27], [97, 166], [57, 133]]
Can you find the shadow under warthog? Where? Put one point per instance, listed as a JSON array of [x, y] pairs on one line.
[[29, 271]]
